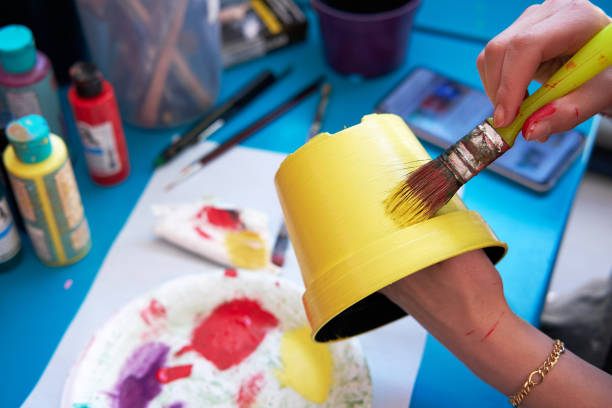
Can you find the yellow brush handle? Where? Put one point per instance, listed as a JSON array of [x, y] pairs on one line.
[[590, 60]]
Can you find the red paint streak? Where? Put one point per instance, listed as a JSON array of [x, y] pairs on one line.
[[168, 374], [228, 219], [183, 350], [492, 328], [231, 273], [577, 113], [202, 233], [470, 332], [538, 115], [249, 390], [231, 332], [570, 65], [155, 310]]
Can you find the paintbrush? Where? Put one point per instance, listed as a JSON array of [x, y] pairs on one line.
[[282, 238], [195, 166], [432, 185]]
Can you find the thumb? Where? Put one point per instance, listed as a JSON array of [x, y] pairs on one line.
[[565, 113]]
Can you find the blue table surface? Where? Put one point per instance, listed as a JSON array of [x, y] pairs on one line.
[[35, 309]]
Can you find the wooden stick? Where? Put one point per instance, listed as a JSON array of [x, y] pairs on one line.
[[185, 73], [191, 82], [153, 96]]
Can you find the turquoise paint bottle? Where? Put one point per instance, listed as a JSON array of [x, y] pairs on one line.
[[27, 83], [47, 195]]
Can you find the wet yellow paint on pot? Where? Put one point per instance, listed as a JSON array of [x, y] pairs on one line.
[[307, 366], [247, 249]]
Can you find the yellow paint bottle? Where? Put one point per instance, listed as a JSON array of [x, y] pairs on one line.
[[46, 191]]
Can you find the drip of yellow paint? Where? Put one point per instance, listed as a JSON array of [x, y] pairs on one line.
[[247, 249], [307, 366]]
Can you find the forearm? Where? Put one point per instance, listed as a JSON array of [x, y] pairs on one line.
[[461, 303]]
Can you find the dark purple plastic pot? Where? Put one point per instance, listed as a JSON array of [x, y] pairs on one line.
[[366, 44]]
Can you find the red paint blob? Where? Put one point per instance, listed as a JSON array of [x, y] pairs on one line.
[[168, 374], [231, 273], [538, 115], [202, 233], [577, 113], [470, 332], [570, 65], [492, 328], [231, 332], [229, 219], [249, 390], [155, 310]]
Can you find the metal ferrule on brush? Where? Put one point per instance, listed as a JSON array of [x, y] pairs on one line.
[[473, 152]]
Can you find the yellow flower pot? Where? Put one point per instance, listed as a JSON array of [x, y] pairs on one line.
[[332, 191]]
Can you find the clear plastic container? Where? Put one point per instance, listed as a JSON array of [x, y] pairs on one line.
[[162, 57]]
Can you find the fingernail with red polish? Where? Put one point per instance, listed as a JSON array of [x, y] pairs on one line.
[[498, 116], [530, 127], [537, 131]]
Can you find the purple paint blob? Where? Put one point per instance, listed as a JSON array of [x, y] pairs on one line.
[[175, 405], [137, 384]]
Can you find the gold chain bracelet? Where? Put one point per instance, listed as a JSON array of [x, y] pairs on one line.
[[536, 377]]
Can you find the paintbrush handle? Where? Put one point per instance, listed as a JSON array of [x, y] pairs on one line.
[[590, 60], [254, 127]]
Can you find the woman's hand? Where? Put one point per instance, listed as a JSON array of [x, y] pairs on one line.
[[535, 46]]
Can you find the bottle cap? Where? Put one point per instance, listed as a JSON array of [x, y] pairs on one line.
[[17, 49], [29, 136], [87, 79]]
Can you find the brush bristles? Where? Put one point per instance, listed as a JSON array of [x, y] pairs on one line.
[[423, 193]]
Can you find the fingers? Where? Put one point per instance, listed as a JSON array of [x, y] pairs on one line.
[[492, 56], [489, 61], [509, 62], [565, 113]]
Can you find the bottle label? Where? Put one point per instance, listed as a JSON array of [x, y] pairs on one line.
[[22, 196], [53, 214], [100, 148], [41, 242], [9, 238], [65, 197], [23, 103]]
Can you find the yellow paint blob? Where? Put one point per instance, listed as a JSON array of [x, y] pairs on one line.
[[247, 249], [307, 365]]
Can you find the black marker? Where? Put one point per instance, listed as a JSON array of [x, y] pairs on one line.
[[214, 121]]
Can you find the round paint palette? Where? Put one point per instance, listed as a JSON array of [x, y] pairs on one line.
[[223, 339]]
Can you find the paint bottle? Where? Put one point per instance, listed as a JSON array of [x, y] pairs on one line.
[[97, 118], [27, 83], [47, 194], [5, 118], [10, 244]]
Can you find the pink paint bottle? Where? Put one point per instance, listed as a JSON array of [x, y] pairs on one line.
[[27, 83]]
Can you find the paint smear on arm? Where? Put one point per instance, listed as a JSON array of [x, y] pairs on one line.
[[492, 329]]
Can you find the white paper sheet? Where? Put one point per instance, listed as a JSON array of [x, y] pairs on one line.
[[138, 262]]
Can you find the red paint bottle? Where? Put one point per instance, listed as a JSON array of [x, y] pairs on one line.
[[99, 124]]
